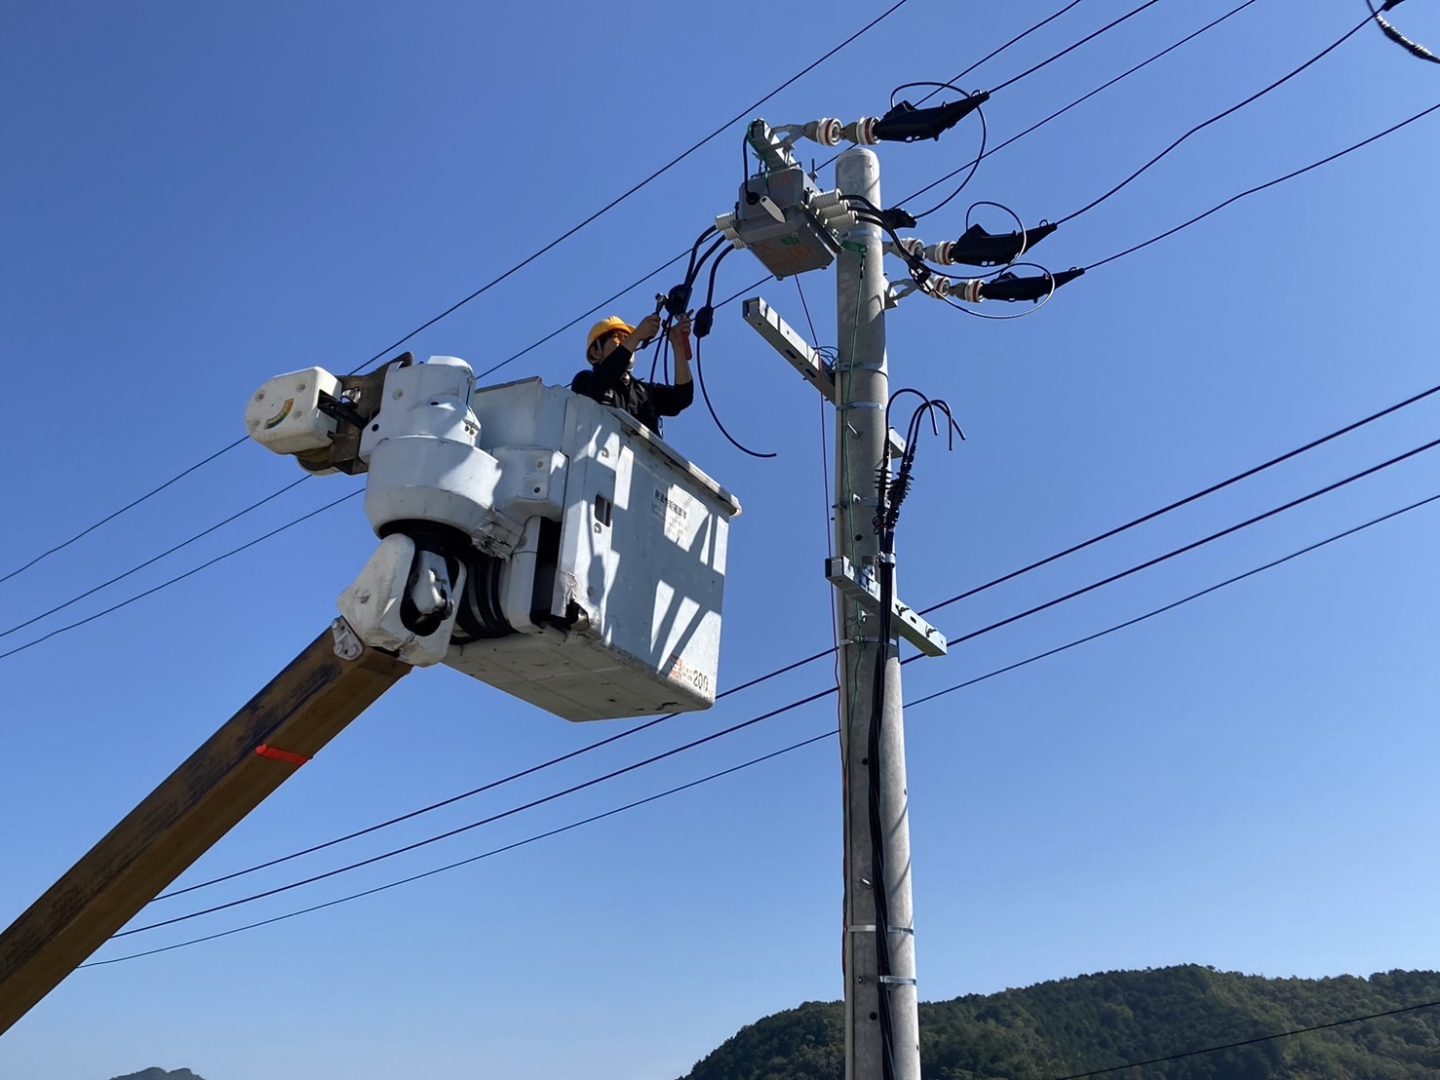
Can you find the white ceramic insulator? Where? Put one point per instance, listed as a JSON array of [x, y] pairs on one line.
[[968, 289], [940, 253], [825, 200], [826, 132], [861, 132]]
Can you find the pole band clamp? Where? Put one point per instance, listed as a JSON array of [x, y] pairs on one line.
[[895, 980]]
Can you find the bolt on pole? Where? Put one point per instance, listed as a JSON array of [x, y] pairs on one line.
[[861, 437]]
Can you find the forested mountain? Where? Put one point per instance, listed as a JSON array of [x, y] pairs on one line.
[[1055, 1029], [154, 1073]]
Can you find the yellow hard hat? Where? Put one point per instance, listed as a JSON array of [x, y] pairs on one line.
[[607, 326]]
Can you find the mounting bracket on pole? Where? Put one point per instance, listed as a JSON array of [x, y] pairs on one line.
[[785, 340], [863, 588]]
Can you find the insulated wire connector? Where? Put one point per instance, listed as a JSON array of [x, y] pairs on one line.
[[1414, 48]]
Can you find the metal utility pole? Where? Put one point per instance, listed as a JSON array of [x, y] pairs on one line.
[[793, 227], [862, 446]]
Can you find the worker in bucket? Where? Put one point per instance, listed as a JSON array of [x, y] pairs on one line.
[[611, 348]]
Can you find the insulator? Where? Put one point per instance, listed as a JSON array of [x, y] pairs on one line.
[[825, 200], [861, 132], [938, 286], [825, 132], [725, 225], [968, 289], [939, 253]]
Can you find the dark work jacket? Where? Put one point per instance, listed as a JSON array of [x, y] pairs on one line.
[[608, 382]]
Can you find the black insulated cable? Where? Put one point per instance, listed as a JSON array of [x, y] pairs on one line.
[[913, 704], [491, 785], [177, 578], [1013, 41], [1255, 520], [1218, 117], [1251, 1042], [954, 640], [151, 560], [1154, 612], [1268, 184], [1078, 101], [1069, 49], [473, 858], [493, 281], [543, 800]]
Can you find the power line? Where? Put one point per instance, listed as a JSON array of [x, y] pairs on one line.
[[1175, 552], [153, 559], [955, 639], [825, 735], [1261, 187], [492, 785], [1171, 606], [1071, 48], [128, 506], [474, 858], [1062, 111], [178, 578], [997, 51], [664, 266], [1218, 117], [1187, 500], [493, 281], [1252, 1042], [485, 821], [992, 583]]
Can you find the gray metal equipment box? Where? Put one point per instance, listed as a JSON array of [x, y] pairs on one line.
[[794, 241]]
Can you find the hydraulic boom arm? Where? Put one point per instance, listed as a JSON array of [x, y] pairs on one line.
[[326, 686]]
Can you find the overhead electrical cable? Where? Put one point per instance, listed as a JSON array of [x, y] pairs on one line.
[[571, 790], [1194, 496], [1245, 474], [151, 560], [490, 786], [1217, 118], [954, 638], [473, 858], [1251, 1042], [1170, 606], [1030, 71], [1062, 111], [177, 578], [1261, 187], [1000, 49], [498, 278], [664, 266], [794, 746], [1071, 48], [1176, 552]]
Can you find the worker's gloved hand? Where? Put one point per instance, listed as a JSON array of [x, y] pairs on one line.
[[680, 336], [646, 332]]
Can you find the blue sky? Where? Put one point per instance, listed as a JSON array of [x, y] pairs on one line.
[[199, 197]]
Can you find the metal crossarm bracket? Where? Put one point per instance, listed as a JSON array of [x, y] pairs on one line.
[[785, 340], [866, 590]]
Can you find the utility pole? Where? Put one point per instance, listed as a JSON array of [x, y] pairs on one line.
[[793, 227], [862, 447]]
